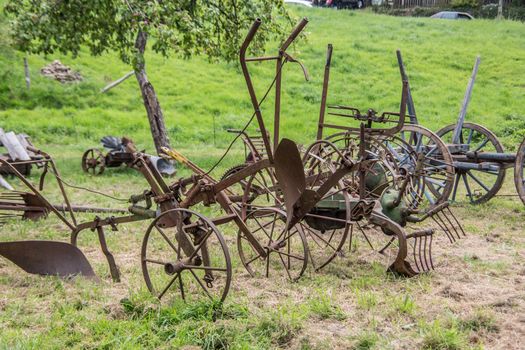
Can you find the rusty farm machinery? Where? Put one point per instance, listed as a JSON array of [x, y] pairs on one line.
[[291, 207], [120, 151]]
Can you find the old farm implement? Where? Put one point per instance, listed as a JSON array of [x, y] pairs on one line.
[[119, 152], [413, 174], [479, 158]]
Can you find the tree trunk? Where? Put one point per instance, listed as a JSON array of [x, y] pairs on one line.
[[151, 102]]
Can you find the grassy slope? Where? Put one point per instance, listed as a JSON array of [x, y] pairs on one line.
[[352, 302]]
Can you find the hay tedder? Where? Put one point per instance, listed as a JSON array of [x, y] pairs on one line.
[[291, 207]]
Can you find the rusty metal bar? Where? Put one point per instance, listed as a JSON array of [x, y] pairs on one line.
[[251, 90], [324, 94]]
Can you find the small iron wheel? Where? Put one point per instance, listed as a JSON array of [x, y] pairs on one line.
[[189, 258], [519, 180], [93, 161], [286, 250], [479, 185]]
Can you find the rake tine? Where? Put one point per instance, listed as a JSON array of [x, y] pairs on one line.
[[425, 255], [414, 253], [446, 222], [450, 238], [419, 253], [457, 221], [451, 224], [430, 251]]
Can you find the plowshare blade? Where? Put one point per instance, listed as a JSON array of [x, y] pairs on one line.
[[47, 258]]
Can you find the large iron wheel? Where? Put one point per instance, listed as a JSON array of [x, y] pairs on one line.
[[519, 180], [286, 250], [93, 161], [433, 177], [480, 185], [327, 226], [190, 257]]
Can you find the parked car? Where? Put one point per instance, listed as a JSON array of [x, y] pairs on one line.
[[299, 2], [341, 4], [452, 15]]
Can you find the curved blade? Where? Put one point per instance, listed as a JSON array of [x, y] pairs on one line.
[[47, 258], [289, 171]]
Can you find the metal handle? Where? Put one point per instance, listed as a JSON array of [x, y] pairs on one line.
[[294, 34]]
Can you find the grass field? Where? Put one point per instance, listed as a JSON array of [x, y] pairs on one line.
[[473, 300]]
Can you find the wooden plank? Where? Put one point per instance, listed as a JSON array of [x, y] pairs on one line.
[[5, 184], [23, 139], [14, 148]]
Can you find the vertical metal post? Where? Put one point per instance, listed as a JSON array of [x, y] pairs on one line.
[[410, 101], [325, 91], [466, 101], [277, 114]]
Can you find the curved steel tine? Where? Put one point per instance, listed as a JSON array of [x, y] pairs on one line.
[[451, 239], [425, 255], [446, 223], [415, 255], [430, 251], [452, 225], [419, 254], [457, 221]]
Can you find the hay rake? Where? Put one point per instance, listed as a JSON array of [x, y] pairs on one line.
[[412, 178]]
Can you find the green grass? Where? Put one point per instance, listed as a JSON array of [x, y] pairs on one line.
[[349, 304]]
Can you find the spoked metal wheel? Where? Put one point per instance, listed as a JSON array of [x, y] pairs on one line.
[[479, 181], [433, 169], [258, 183], [519, 165], [286, 250], [188, 258], [93, 161], [383, 173], [327, 226]]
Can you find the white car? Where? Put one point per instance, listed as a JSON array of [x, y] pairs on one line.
[[299, 2]]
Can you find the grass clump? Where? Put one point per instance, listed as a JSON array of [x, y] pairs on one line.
[[479, 321], [440, 337], [323, 306], [366, 341]]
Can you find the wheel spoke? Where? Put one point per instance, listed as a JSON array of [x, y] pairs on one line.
[[202, 285], [478, 181], [206, 268], [166, 238], [155, 261], [465, 181], [168, 286]]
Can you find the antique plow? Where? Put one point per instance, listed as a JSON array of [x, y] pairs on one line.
[[479, 158]]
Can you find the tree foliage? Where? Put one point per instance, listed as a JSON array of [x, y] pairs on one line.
[[186, 27]]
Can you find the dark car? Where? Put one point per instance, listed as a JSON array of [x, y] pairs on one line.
[[341, 4], [452, 15]]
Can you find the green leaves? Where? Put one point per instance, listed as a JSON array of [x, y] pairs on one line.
[[187, 27]]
